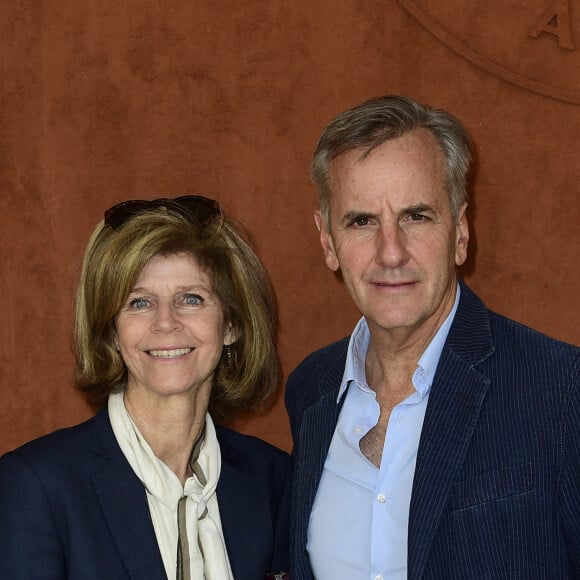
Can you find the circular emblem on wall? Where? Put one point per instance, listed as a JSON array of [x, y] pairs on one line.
[[530, 43]]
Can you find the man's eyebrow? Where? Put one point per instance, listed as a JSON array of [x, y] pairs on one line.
[[419, 208]]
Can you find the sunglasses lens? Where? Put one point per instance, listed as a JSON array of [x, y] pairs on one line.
[[117, 215], [201, 210]]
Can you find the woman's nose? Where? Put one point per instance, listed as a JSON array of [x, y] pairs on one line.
[[166, 318]]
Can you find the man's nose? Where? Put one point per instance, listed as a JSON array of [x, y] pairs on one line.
[[391, 246]]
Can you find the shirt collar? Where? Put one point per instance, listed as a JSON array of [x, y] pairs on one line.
[[354, 370]]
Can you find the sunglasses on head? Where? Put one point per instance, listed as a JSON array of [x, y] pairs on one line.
[[196, 207]]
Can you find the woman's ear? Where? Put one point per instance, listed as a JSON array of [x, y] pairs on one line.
[[231, 335]]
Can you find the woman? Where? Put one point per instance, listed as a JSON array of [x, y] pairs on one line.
[[173, 320]]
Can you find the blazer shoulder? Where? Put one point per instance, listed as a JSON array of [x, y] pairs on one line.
[[59, 448], [65, 458], [479, 334], [528, 342], [250, 451], [546, 365], [321, 361]]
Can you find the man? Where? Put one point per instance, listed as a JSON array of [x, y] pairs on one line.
[[440, 440]]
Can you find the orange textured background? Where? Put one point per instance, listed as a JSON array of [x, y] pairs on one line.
[[103, 100]]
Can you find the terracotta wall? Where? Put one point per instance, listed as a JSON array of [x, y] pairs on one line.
[[103, 100]]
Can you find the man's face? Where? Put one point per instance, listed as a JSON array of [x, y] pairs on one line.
[[393, 236]]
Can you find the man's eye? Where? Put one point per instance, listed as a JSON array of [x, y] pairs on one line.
[[361, 220], [417, 217]]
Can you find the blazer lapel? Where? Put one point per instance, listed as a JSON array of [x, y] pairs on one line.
[[455, 401], [238, 498], [124, 504], [318, 424], [244, 508], [318, 427]]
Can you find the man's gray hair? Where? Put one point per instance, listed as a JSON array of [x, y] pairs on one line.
[[373, 122]]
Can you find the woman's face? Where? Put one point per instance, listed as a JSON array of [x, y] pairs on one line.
[[171, 329]]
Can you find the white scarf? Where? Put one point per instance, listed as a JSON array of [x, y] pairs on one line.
[[207, 551]]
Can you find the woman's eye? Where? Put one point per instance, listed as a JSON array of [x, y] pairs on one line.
[[192, 299], [137, 303]]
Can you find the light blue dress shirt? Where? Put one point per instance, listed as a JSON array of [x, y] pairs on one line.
[[359, 521]]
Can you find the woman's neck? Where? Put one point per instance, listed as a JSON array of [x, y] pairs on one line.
[[171, 426]]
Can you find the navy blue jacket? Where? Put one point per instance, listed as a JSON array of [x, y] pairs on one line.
[[496, 492], [72, 507]]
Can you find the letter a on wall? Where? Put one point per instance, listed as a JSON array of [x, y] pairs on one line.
[[556, 21]]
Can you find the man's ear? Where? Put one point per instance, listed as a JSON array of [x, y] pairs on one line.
[[326, 242], [461, 236]]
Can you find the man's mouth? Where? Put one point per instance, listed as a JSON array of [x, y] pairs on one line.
[[389, 284]]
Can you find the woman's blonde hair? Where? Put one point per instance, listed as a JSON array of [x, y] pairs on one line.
[[114, 258]]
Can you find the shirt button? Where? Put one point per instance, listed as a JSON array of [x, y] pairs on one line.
[[381, 498], [379, 577], [357, 429]]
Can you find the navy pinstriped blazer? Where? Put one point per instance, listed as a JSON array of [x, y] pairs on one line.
[[72, 507], [496, 493]]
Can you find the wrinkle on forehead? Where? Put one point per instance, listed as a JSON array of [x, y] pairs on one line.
[[416, 153]]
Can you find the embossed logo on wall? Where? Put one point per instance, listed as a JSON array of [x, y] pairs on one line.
[[530, 43]]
